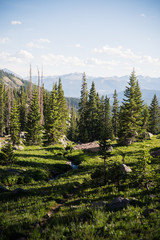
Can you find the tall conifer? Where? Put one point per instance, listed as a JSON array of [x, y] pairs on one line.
[[82, 125], [115, 115], [130, 112], [33, 127], [14, 124], [1, 109], [154, 120]]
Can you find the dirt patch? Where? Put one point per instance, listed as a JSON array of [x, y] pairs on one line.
[[91, 146]]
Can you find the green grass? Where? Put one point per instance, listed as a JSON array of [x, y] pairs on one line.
[[63, 209]]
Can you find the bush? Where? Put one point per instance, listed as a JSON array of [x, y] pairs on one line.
[[7, 155]]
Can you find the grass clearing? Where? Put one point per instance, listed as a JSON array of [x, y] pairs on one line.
[[62, 207]]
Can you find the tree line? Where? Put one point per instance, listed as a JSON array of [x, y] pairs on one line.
[[97, 119], [41, 115], [44, 116]]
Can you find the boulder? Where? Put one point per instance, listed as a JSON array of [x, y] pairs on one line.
[[148, 211], [18, 147], [14, 171], [99, 204], [19, 190], [3, 189], [118, 203], [148, 135], [110, 149], [124, 168]]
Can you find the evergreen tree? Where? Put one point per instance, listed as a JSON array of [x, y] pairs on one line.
[[33, 127], [92, 114], [82, 124], [108, 120], [1, 109], [14, 124], [154, 120], [115, 115], [72, 132], [62, 109], [53, 123], [130, 112], [145, 115], [22, 109], [7, 110]]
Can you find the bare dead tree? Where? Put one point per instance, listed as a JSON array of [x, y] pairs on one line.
[[39, 90], [30, 85], [41, 98]]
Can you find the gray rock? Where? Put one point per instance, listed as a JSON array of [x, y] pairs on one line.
[[16, 147], [124, 168], [110, 149], [148, 211], [99, 204], [3, 189], [14, 171], [20, 148], [19, 190], [118, 203]]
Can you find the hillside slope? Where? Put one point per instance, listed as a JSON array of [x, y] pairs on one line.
[[11, 79]]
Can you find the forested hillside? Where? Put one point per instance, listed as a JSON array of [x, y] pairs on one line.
[[54, 187]]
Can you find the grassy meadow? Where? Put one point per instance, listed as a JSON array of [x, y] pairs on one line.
[[54, 201]]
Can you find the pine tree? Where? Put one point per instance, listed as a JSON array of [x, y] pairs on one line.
[[72, 131], [14, 124], [62, 109], [108, 120], [82, 125], [130, 112], [145, 116], [115, 115], [7, 110], [22, 109], [154, 120], [1, 109], [92, 114], [33, 127], [52, 120]]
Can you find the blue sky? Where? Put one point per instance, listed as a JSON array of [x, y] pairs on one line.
[[100, 37]]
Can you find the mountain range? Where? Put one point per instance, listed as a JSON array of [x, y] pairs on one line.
[[104, 85]]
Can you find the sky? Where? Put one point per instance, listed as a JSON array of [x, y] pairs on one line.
[[100, 37]]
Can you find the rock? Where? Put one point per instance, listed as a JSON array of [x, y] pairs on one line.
[[118, 203], [148, 211], [124, 168], [20, 148], [3, 189], [99, 204], [110, 149], [22, 134], [19, 190], [13, 171], [91, 146], [16, 147], [148, 135]]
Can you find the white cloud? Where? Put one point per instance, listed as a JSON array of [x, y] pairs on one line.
[[24, 54], [78, 45], [34, 45], [57, 60], [101, 62], [44, 40], [7, 57], [4, 40], [16, 22], [142, 15], [38, 43], [127, 54]]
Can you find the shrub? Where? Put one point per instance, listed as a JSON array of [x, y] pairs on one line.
[[7, 155]]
